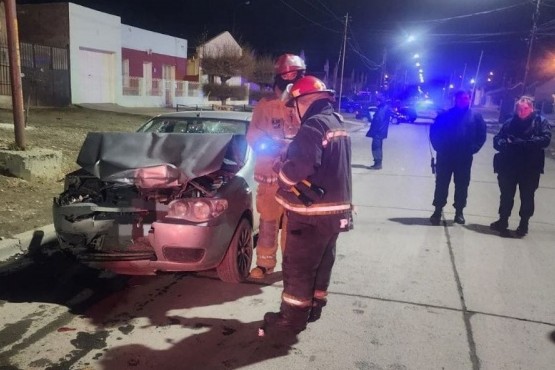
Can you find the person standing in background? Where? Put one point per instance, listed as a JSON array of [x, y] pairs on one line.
[[456, 136], [378, 131], [520, 161]]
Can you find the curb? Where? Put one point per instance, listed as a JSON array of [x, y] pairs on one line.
[[22, 243]]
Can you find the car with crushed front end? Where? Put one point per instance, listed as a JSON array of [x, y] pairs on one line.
[[176, 195]]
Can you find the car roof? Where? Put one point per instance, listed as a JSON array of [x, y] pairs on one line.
[[239, 116]]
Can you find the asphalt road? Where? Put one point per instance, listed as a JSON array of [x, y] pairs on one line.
[[404, 294]]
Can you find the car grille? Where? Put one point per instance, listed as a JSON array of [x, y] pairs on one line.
[[177, 254]]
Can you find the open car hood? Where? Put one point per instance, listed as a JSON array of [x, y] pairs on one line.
[[117, 156]]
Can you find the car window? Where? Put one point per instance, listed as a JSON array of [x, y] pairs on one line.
[[194, 125]]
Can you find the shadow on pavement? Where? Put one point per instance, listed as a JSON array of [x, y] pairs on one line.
[[360, 166], [421, 221], [213, 344], [45, 274], [115, 304], [485, 229]]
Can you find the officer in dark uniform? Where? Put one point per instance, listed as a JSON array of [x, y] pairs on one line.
[[315, 190], [456, 136], [520, 161]]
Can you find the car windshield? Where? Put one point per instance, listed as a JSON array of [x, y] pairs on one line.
[[194, 125]]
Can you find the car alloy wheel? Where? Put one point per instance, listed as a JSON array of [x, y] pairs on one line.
[[235, 266]]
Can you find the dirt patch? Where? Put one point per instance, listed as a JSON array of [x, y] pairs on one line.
[[26, 205]]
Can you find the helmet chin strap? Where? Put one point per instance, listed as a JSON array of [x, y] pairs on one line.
[[298, 110]]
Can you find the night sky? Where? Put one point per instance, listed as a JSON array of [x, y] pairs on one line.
[[449, 33]]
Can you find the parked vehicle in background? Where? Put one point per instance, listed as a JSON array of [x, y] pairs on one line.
[[402, 113], [366, 111], [426, 108], [348, 105], [177, 195]]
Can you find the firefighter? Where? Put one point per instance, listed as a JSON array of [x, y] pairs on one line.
[[272, 127], [317, 167]]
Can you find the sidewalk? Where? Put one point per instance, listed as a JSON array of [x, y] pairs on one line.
[[28, 240]]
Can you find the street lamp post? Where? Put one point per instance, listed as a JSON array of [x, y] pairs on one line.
[[235, 14], [531, 44]]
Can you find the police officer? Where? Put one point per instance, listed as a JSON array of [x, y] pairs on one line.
[[456, 136], [378, 131], [272, 127], [315, 190], [520, 161]]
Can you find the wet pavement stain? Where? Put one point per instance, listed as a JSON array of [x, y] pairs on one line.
[[11, 333], [84, 343], [228, 331], [126, 329]]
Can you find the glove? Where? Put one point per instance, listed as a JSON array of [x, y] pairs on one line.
[[516, 141], [276, 166]]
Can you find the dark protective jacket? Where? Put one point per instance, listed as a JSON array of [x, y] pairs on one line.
[[321, 154], [521, 145], [380, 122], [458, 133]]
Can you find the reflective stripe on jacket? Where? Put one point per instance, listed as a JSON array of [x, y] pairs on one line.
[[321, 154]]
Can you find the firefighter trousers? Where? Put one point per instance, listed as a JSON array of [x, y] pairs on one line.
[[308, 259], [271, 213]]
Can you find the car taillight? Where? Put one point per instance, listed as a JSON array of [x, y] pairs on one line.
[[196, 210]]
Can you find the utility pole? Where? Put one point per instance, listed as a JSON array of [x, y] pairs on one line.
[[343, 63], [463, 77], [476, 79], [531, 44], [15, 73], [382, 74]]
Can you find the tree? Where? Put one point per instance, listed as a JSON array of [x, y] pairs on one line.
[[224, 63], [262, 75]]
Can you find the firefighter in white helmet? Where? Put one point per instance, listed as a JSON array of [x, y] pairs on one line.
[[272, 127]]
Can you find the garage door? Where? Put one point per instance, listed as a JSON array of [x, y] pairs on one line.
[[96, 76]]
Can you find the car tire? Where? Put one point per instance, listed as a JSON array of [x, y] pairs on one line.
[[235, 266]]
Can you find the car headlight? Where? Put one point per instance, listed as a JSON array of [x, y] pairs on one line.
[[196, 210]]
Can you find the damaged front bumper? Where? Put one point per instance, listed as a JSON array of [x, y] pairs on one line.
[[132, 240]]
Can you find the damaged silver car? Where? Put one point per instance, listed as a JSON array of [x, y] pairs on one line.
[[177, 195]]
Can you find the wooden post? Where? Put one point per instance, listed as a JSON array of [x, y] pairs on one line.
[[15, 73]]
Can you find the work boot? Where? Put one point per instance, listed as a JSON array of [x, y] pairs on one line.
[[289, 318], [500, 225], [435, 218], [316, 311], [260, 272], [376, 166], [522, 228], [459, 217]]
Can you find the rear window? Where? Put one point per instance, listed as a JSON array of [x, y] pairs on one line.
[[194, 125]]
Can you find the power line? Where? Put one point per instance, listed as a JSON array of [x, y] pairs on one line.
[[307, 18], [439, 20]]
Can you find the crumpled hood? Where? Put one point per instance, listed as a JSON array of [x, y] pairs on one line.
[[116, 156]]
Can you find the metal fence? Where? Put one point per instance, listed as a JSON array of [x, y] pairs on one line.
[[45, 74], [137, 86]]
